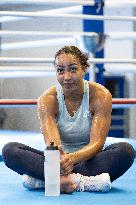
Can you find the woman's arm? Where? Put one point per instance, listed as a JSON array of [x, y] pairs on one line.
[[47, 109], [101, 106]]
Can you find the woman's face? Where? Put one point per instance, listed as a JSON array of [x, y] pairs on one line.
[[69, 72]]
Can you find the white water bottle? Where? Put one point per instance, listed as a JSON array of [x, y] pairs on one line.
[[52, 170]]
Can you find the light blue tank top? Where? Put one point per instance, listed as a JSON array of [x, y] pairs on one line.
[[74, 131]]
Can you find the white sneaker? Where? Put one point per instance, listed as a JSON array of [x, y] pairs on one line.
[[32, 183], [100, 183]]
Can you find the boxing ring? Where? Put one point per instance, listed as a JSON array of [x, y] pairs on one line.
[[123, 190], [12, 192]]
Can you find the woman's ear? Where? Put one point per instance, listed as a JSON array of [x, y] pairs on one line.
[[84, 72]]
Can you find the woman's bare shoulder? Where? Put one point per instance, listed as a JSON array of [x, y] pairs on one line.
[[98, 90], [48, 98], [47, 93], [100, 97]]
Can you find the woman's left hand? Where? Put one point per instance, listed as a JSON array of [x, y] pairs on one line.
[[66, 164]]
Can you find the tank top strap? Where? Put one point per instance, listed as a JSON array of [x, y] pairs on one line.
[[60, 98], [86, 96]]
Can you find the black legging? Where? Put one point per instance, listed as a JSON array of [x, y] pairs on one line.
[[116, 159]]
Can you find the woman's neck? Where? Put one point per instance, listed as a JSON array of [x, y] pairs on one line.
[[75, 94]]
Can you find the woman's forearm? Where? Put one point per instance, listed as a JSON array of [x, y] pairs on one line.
[[50, 132], [85, 153]]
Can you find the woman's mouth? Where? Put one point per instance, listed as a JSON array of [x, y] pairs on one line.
[[67, 85]]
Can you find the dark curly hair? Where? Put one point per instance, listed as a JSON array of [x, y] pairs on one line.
[[73, 50]]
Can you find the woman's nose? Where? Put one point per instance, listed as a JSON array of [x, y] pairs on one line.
[[67, 75]]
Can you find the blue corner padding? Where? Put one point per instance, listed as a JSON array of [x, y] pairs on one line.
[[1, 158]]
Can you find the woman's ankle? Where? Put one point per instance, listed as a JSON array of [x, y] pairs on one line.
[[67, 185]]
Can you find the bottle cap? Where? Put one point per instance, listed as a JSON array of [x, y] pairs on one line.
[[51, 146]]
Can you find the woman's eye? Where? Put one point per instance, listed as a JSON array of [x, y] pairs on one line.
[[73, 69], [60, 70]]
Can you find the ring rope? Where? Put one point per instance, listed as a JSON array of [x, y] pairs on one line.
[[26, 60], [18, 102], [121, 35], [107, 3], [42, 33], [27, 68], [51, 60], [76, 16], [38, 43], [25, 74], [81, 2], [68, 9], [24, 71], [111, 35], [119, 3], [34, 101]]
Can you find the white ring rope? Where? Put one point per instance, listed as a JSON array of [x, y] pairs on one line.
[[110, 35], [76, 16], [25, 74], [51, 60], [27, 68], [119, 3], [120, 69], [38, 43], [75, 2], [26, 60], [121, 35], [66, 10], [44, 33], [9, 70], [108, 3]]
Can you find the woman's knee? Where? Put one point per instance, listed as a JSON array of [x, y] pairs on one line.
[[127, 151], [9, 152]]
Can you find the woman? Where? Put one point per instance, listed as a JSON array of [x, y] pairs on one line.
[[77, 115]]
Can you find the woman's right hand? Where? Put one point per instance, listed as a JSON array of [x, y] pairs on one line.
[[66, 164]]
